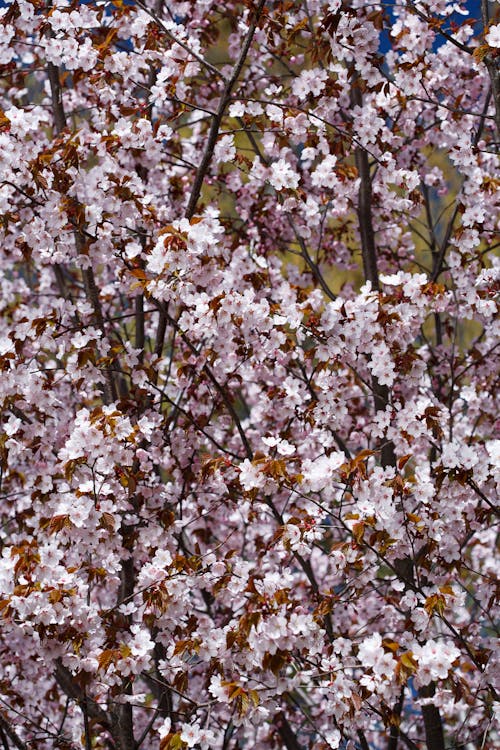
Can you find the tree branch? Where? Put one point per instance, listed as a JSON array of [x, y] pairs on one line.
[[286, 732], [86, 723], [123, 720], [395, 728], [300, 240], [11, 734], [433, 723], [217, 119], [369, 255], [493, 68], [364, 209], [67, 683], [310, 262], [362, 740], [56, 96]]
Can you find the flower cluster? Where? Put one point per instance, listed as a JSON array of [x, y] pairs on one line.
[[249, 364]]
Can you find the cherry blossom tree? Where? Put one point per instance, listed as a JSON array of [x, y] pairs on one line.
[[249, 359]]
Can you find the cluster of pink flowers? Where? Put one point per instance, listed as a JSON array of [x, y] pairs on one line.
[[249, 364]]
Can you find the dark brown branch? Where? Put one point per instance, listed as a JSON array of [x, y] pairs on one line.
[[312, 265], [394, 733], [362, 740], [433, 724], [433, 247], [408, 742], [217, 119], [229, 406], [369, 255], [86, 724], [300, 240], [123, 721], [139, 325], [108, 388], [3, 738], [308, 570], [63, 676], [364, 210], [177, 409], [160, 689], [286, 733], [338, 439], [68, 684], [494, 74], [60, 123], [147, 729], [122, 729], [161, 330], [365, 219], [455, 110], [56, 95], [483, 497], [493, 68], [404, 567], [12, 735], [288, 108]]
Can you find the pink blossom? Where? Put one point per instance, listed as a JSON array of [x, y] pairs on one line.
[[248, 373], [283, 176], [493, 35]]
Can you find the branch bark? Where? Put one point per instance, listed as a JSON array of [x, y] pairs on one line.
[[86, 724], [68, 684], [92, 294], [154, 14], [395, 728], [369, 255], [433, 724], [217, 118], [286, 732], [11, 734], [314, 267], [56, 96], [493, 68], [122, 728], [364, 209]]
